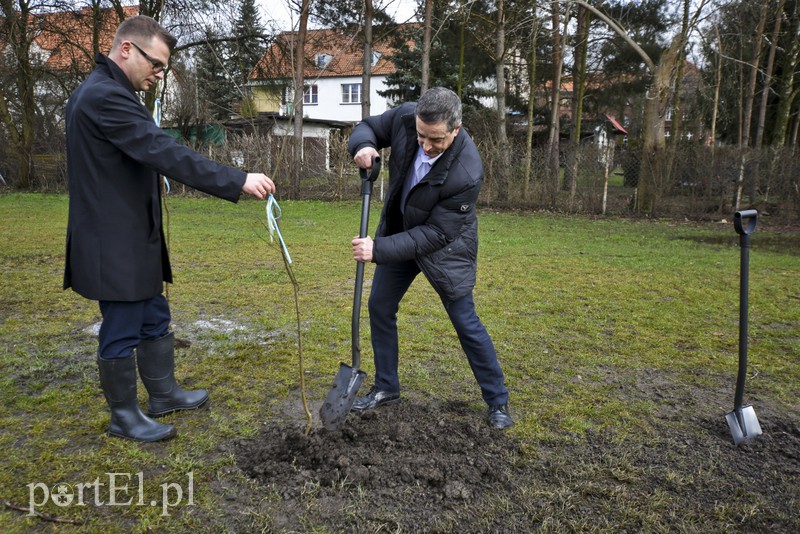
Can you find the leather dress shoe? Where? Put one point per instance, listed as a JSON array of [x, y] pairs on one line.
[[373, 399], [499, 416]]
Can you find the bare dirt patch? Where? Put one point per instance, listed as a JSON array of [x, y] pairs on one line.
[[437, 467]]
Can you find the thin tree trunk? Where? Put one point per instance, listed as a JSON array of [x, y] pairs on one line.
[[578, 89], [786, 91], [531, 104], [426, 45], [499, 58], [749, 99], [299, 91], [555, 100], [715, 111], [503, 170], [762, 110], [677, 111], [366, 75], [465, 13]]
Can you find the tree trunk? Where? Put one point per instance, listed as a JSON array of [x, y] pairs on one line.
[[554, 166], [749, 99], [578, 89], [426, 46], [786, 91], [762, 110], [366, 75], [531, 104], [499, 62], [20, 128], [677, 112], [715, 111], [502, 171], [299, 91], [466, 9]]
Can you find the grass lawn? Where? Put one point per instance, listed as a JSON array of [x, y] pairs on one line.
[[604, 327]]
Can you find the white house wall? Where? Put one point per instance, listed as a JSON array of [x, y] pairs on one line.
[[330, 106]]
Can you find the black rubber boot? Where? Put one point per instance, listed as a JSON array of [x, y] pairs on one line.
[[156, 359], [118, 380]]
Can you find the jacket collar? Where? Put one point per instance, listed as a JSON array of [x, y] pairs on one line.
[[107, 65]]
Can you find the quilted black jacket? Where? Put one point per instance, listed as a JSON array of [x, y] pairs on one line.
[[438, 227]]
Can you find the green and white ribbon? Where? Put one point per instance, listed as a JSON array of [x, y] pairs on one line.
[[273, 214], [157, 118]]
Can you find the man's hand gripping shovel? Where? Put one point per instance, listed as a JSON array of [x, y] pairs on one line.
[[349, 378]]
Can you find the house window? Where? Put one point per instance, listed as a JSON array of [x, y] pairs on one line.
[[311, 95], [351, 93], [323, 60], [376, 56]]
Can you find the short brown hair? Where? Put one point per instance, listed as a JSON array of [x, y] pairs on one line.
[[145, 28]]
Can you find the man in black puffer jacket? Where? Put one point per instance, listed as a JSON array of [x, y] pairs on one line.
[[429, 225]]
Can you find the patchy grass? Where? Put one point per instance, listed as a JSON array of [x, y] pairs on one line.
[[603, 326]]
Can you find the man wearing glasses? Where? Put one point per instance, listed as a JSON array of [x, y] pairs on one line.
[[115, 251]]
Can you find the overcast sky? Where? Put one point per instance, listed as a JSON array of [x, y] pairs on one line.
[[279, 12]]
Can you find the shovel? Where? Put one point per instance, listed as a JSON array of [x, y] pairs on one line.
[[742, 421], [340, 398]]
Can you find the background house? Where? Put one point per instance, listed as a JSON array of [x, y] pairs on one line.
[[333, 70]]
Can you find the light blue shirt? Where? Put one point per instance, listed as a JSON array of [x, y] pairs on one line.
[[422, 165]]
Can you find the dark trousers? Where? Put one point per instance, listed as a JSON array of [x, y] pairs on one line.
[[389, 285], [126, 324]]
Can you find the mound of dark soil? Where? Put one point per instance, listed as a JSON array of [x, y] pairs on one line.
[[416, 467], [407, 463]]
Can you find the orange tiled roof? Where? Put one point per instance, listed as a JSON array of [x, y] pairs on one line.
[[346, 50], [66, 37]]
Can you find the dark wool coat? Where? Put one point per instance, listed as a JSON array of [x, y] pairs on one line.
[[115, 152], [439, 226]]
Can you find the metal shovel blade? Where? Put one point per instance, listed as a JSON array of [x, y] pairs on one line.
[[743, 424], [341, 397]]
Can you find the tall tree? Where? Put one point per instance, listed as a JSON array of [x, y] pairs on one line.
[[532, 56], [367, 60], [299, 91], [18, 107], [457, 37], [786, 89], [749, 99], [677, 95], [427, 24], [32, 93], [578, 90], [216, 84], [500, 77], [767, 85], [248, 47], [553, 143]]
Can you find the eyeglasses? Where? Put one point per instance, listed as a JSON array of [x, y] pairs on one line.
[[157, 65]]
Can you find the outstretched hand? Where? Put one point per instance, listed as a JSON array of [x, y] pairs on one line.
[[259, 185]]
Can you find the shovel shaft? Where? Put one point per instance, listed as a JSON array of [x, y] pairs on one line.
[[367, 179], [743, 305], [356, 322], [745, 224]]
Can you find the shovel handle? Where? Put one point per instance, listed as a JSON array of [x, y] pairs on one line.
[[368, 177], [751, 218]]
